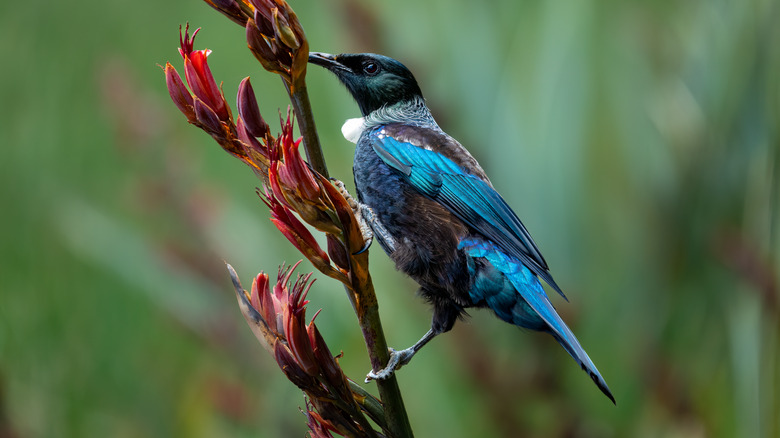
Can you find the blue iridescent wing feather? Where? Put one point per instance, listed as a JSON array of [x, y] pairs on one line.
[[470, 198]]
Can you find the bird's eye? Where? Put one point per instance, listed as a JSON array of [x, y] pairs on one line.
[[371, 68]]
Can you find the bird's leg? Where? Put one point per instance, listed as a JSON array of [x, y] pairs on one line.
[[358, 210], [400, 358], [376, 228]]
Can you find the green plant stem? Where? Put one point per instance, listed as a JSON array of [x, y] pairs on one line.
[[368, 316], [364, 299], [311, 141]]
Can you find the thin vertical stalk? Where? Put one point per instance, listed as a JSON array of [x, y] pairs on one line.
[[389, 392], [311, 141], [364, 299]]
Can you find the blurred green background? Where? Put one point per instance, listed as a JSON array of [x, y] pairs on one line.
[[638, 141]]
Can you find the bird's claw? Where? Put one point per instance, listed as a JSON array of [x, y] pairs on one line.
[[368, 241], [396, 361]]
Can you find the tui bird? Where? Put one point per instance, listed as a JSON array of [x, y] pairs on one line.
[[435, 213]]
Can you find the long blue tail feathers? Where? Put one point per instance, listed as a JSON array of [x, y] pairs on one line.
[[515, 294]]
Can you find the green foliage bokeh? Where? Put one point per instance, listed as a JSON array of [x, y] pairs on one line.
[[638, 141]]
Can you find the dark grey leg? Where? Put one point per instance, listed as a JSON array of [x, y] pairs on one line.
[[400, 358]]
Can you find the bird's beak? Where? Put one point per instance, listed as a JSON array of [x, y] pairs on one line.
[[326, 60]]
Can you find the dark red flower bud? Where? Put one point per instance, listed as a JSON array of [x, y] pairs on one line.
[[296, 184], [179, 93], [262, 49], [207, 117], [276, 38], [273, 177], [328, 366], [291, 368], [263, 24], [259, 288], [264, 303], [230, 9], [296, 173], [281, 55], [295, 327], [297, 233], [337, 252], [249, 111]]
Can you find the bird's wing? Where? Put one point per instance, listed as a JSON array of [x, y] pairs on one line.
[[470, 198]]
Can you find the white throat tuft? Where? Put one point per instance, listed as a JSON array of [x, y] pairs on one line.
[[353, 128]]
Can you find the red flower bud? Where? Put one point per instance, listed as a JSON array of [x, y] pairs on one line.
[[292, 369], [249, 111], [296, 173], [207, 118], [297, 233], [179, 93], [329, 369], [337, 252], [273, 176], [262, 49], [263, 302], [291, 179], [276, 38], [230, 9], [263, 18], [259, 288], [295, 326]]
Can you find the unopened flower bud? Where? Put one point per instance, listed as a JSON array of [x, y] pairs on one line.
[[207, 117], [179, 93], [249, 110], [284, 32]]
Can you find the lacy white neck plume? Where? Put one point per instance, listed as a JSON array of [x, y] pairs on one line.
[[416, 113]]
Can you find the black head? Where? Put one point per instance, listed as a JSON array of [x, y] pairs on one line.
[[374, 80]]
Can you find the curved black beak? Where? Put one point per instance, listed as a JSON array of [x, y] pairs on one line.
[[326, 60]]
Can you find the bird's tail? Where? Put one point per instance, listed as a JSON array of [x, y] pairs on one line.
[[523, 302], [569, 342]]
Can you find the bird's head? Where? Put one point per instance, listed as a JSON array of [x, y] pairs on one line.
[[374, 80]]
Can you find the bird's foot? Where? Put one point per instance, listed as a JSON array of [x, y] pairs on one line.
[[362, 213], [397, 360], [345, 193]]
